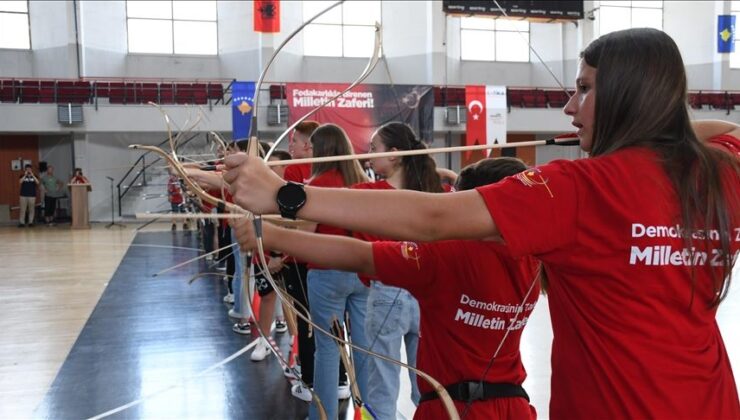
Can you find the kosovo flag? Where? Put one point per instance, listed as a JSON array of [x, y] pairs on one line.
[[725, 33], [242, 103]]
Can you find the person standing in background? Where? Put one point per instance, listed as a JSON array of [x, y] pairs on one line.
[[28, 182], [52, 192]]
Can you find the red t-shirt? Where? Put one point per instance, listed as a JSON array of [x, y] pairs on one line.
[[173, 191], [727, 143], [377, 185], [627, 343], [468, 292], [298, 173], [329, 179]]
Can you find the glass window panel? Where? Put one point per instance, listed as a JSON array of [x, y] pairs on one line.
[[512, 25], [613, 19], [196, 38], [358, 41], [150, 36], [149, 9], [361, 12], [477, 45], [735, 5], [477, 23], [618, 3], [14, 6], [647, 18], [194, 10], [14, 31], [646, 3], [312, 8], [512, 46], [322, 40]]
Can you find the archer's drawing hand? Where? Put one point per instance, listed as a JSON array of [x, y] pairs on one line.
[[253, 185]]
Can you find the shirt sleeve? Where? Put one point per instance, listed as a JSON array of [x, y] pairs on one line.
[[535, 210], [293, 173], [406, 265], [726, 142]]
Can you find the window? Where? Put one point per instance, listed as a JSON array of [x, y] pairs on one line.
[[618, 15], [735, 57], [172, 27], [14, 25], [487, 39], [347, 30]]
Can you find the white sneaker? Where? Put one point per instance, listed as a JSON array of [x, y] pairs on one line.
[[301, 392], [281, 326], [343, 392], [242, 328], [261, 350], [288, 372], [234, 314], [229, 298]]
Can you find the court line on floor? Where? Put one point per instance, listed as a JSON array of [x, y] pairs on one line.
[[177, 385]]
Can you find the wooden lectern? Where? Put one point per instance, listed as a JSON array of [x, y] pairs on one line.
[[80, 216]]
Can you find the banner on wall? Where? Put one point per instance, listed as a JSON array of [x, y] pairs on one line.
[[725, 33], [366, 107], [266, 15], [486, 116], [242, 103]]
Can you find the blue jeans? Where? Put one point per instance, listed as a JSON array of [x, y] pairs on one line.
[[392, 316], [330, 294], [238, 274]]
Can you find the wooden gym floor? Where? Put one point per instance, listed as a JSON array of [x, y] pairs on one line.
[[85, 328]]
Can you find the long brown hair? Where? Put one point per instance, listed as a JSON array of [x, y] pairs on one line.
[[331, 140], [420, 171], [641, 100]]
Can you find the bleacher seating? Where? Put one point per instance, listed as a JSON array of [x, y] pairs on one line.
[[200, 93]]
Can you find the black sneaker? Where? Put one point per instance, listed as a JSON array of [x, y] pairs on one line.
[[281, 326], [174, 226], [20, 225], [30, 225]]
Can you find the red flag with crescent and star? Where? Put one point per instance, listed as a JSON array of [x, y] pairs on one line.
[[267, 15], [475, 129]]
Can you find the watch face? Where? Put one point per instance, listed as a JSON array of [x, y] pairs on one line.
[[291, 196]]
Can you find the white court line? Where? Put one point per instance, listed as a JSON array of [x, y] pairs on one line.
[[177, 385]]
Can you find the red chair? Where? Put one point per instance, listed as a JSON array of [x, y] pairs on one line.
[[534, 99], [200, 93], [184, 93], [8, 91], [216, 91], [277, 92], [514, 98], [117, 93], [556, 98], [166, 93], [101, 89], [29, 91], [147, 92], [47, 92]]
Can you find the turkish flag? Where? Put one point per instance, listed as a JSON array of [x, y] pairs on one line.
[[475, 129], [267, 15]]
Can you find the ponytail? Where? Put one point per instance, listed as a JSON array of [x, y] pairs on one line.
[[420, 171]]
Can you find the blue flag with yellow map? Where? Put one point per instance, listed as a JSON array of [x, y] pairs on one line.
[[725, 33], [242, 102]]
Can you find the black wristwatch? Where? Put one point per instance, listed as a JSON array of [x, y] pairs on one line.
[[290, 199]]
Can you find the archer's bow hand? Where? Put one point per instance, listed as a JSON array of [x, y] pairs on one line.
[[244, 234], [253, 185], [206, 179]]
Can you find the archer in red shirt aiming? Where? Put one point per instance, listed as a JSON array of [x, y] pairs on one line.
[[637, 241]]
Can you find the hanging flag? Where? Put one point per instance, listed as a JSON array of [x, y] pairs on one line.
[[725, 33], [242, 102], [267, 15], [486, 116]]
